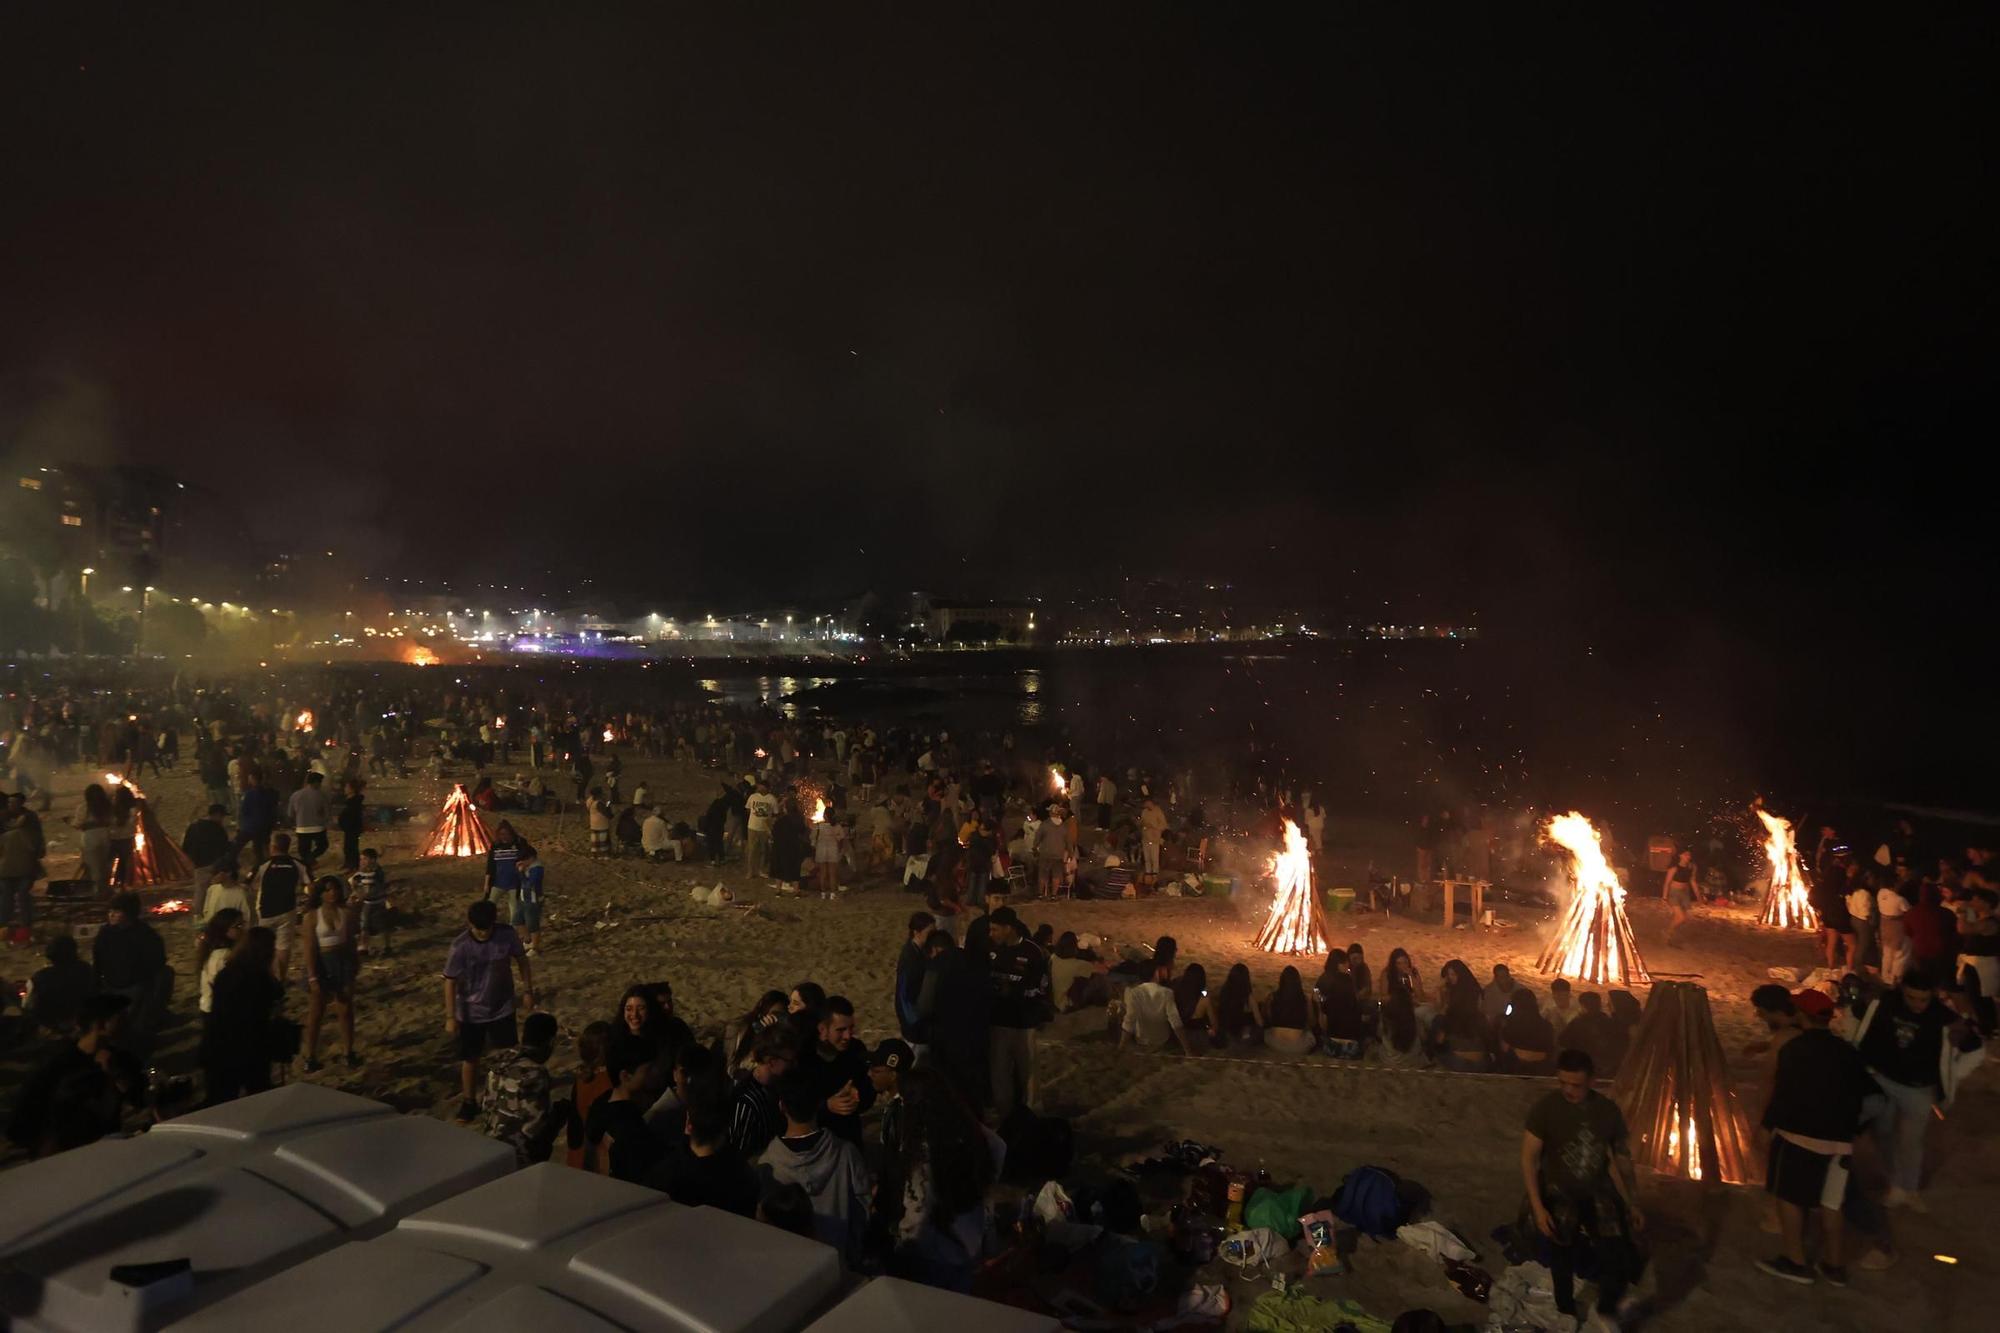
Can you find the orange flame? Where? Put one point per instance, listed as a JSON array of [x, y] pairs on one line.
[[1594, 942], [819, 810], [1294, 924], [416, 655], [1691, 1165], [1788, 905], [459, 831], [1058, 784], [607, 735], [305, 720]]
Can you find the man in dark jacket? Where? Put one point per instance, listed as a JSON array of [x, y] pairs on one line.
[[838, 1066], [207, 841], [952, 1008], [130, 960], [1904, 1036], [910, 965], [1020, 976]]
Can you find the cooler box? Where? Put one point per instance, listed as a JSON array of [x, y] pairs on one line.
[[239, 1192], [891, 1305], [1340, 900], [550, 1250]]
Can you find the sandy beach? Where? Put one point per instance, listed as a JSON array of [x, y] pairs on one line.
[[611, 922]]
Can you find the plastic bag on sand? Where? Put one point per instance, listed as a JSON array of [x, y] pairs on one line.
[[1053, 1203], [1434, 1239], [1524, 1297]]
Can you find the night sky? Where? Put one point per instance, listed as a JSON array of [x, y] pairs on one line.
[[1589, 321]]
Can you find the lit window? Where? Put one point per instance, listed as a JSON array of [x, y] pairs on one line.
[[31, 483], [72, 520]]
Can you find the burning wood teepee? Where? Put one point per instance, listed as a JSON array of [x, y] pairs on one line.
[[1295, 925], [156, 858], [1675, 1091], [1594, 942], [459, 831], [1788, 902]]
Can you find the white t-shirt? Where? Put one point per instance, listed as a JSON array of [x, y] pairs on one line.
[[1151, 1015], [216, 962], [653, 834], [1861, 904], [761, 809], [1890, 903]]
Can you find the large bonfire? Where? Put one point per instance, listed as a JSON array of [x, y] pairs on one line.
[[1788, 904], [1675, 1089], [1595, 941], [1295, 925], [459, 830], [156, 858]]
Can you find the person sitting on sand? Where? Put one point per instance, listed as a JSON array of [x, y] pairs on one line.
[[1593, 1032], [1341, 1020], [1233, 1012], [1291, 1021], [1527, 1040], [1460, 1038], [1152, 1018], [1402, 1037]]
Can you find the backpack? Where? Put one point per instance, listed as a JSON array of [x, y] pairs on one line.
[[1369, 1202]]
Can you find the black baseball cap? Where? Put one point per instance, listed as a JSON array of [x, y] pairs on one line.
[[894, 1053]]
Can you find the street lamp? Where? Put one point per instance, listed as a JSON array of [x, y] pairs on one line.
[[82, 601]]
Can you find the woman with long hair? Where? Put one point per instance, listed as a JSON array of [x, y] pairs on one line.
[[1357, 968], [219, 937], [639, 1013], [805, 995], [1402, 1035], [939, 1172], [93, 819], [124, 833], [1461, 1039], [1527, 1040], [742, 1032], [1340, 1013], [237, 1048], [1191, 996], [330, 966], [1402, 974], [1233, 1010], [1291, 1020]]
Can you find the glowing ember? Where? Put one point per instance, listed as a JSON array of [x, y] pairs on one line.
[[761, 754], [1788, 904], [1690, 1166], [1594, 942], [305, 719], [459, 831], [170, 907], [1294, 925]]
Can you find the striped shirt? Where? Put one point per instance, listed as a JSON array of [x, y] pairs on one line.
[[754, 1118]]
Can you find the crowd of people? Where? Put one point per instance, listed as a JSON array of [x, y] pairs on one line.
[[889, 1152]]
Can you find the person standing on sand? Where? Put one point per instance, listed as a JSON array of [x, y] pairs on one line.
[[479, 994], [1576, 1162], [758, 812], [1152, 833], [1055, 843], [1020, 978]]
